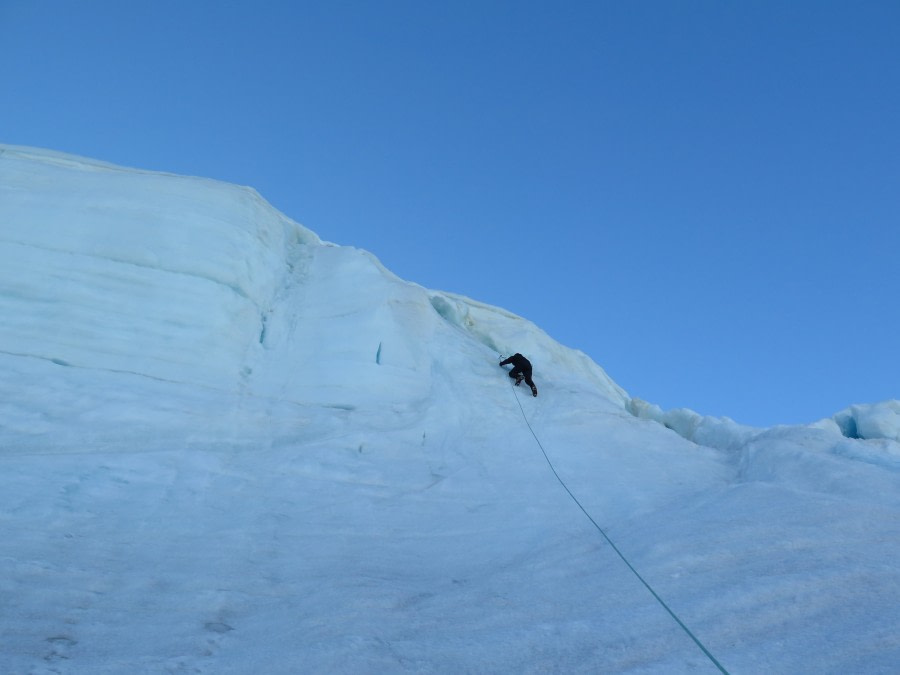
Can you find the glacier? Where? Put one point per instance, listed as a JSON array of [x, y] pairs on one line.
[[229, 446]]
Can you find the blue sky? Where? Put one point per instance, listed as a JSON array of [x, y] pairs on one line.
[[703, 196]]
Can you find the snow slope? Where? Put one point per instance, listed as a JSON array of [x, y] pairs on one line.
[[230, 447]]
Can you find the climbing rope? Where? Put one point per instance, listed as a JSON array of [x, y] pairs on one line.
[[614, 547]]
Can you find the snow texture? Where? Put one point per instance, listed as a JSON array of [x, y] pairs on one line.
[[228, 446]]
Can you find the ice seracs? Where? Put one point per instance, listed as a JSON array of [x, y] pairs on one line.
[[229, 446]]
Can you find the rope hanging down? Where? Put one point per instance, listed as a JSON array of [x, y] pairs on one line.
[[614, 547]]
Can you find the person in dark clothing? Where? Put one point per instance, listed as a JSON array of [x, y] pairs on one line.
[[521, 371]]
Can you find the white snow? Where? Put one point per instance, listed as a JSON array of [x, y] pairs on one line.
[[229, 447]]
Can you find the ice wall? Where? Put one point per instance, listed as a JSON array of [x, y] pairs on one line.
[[118, 269], [198, 282]]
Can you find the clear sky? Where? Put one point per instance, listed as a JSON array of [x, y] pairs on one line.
[[703, 196]]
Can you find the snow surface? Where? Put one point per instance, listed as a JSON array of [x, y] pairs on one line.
[[230, 447]]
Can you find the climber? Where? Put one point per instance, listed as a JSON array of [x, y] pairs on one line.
[[521, 371]]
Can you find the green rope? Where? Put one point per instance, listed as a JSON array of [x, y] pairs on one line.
[[616, 548]]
